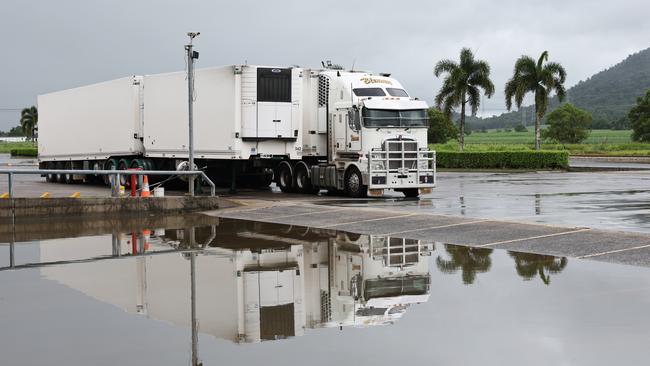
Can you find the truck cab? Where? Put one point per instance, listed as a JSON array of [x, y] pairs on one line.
[[368, 282], [377, 135]]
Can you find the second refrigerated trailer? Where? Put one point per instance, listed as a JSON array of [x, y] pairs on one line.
[[306, 129]]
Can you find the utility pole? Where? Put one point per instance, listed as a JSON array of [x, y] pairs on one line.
[[191, 56]]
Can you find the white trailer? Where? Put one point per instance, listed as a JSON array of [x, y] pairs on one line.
[[306, 129]]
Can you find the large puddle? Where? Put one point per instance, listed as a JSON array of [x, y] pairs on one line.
[[230, 292]]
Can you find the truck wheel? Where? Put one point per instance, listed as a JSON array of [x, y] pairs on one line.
[[302, 181], [411, 192], [354, 184], [285, 177]]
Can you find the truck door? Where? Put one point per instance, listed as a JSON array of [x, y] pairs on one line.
[[340, 130], [353, 130]]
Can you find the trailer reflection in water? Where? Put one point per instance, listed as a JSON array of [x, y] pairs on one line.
[[255, 282]]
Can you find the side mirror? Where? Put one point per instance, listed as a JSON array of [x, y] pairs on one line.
[[354, 118]]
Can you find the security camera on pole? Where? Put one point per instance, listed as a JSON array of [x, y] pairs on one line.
[[191, 56]]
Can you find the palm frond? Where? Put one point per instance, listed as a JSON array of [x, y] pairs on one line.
[[542, 58], [443, 66], [474, 98], [466, 59], [556, 69]]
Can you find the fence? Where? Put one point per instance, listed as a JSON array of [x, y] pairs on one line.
[[115, 174]]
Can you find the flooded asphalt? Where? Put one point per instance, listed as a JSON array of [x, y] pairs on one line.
[[613, 200], [198, 290]]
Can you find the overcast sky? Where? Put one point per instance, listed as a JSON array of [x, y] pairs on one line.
[[52, 45]]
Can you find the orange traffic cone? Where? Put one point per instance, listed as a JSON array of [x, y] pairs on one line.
[[145, 189], [147, 235]]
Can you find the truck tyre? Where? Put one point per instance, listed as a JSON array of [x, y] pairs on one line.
[[125, 179], [68, 178], [50, 177], [411, 192], [285, 177], [302, 182], [59, 177], [354, 184], [111, 164]]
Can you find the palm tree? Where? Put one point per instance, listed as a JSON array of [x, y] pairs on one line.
[[538, 78], [461, 86], [28, 121], [467, 259], [529, 265]]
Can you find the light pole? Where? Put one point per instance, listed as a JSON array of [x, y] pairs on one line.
[[191, 56]]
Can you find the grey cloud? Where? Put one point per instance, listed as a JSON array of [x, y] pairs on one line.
[[51, 45]]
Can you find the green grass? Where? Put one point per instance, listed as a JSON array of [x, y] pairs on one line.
[[6, 147], [600, 142], [595, 137], [30, 151]]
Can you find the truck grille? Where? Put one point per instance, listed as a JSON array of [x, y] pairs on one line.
[[399, 252], [402, 154]]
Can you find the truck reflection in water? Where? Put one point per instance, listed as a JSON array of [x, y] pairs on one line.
[[251, 282]]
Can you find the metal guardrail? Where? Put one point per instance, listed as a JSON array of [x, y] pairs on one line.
[[115, 186]]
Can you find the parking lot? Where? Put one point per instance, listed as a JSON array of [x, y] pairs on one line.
[[600, 215]]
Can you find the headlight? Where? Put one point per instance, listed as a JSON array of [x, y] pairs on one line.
[[377, 165], [423, 164]]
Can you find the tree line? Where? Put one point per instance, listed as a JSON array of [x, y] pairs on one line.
[[465, 80], [27, 125]]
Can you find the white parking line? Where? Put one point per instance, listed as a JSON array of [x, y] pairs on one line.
[[434, 227], [302, 214], [613, 251], [368, 220], [533, 237]]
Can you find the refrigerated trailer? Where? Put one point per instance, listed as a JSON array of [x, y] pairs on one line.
[[306, 129]]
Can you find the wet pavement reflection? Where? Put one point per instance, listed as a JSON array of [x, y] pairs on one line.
[[601, 200], [204, 290]]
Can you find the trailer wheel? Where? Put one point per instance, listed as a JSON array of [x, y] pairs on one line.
[[411, 192], [124, 179], [285, 177], [354, 183], [68, 178], [59, 177], [111, 164], [50, 177], [302, 181]]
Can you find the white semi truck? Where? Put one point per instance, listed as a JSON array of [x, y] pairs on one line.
[[305, 129]]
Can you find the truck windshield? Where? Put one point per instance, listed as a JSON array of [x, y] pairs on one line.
[[397, 92], [394, 118], [391, 287], [369, 92]]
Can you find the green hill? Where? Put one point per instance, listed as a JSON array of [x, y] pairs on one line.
[[607, 95]]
